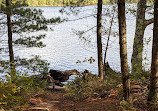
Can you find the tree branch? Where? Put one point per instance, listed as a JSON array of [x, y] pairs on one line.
[[149, 21], [82, 17]]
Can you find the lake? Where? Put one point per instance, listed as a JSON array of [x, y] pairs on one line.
[[64, 48]]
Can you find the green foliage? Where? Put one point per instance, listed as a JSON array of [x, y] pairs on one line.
[[15, 83], [112, 77], [33, 41], [90, 60], [36, 64], [153, 103], [127, 105], [8, 97], [68, 2], [89, 85], [82, 88], [143, 75], [14, 86], [25, 21]]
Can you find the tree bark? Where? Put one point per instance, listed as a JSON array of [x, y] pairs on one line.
[[153, 92], [9, 25], [99, 41], [123, 48], [138, 40]]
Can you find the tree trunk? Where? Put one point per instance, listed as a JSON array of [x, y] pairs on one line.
[[123, 48], [9, 25], [153, 92], [107, 44], [138, 40], [99, 41]]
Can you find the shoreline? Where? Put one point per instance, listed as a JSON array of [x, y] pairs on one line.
[[76, 5]]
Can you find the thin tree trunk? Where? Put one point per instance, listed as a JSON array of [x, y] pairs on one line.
[[153, 92], [9, 24], [123, 48], [138, 39], [107, 44], [99, 41]]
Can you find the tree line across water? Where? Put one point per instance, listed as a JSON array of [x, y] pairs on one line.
[[68, 2]]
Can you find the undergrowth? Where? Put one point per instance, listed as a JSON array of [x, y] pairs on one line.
[[15, 88], [89, 85]]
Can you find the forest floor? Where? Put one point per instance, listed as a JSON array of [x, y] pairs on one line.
[[57, 100]]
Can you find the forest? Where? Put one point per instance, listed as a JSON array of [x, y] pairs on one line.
[[102, 56], [67, 2]]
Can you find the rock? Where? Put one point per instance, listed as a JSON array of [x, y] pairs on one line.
[[60, 84], [119, 85], [34, 101], [56, 87], [138, 83], [50, 88], [59, 88], [135, 91], [38, 109], [39, 94], [43, 104], [55, 102], [136, 87]]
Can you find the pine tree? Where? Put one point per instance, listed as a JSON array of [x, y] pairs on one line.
[[9, 25], [23, 21]]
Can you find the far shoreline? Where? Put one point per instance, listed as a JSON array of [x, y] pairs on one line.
[[74, 6]]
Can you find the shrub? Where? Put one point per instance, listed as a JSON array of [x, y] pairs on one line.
[[8, 88], [15, 87], [127, 105], [143, 75], [82, 88], [89, 85]]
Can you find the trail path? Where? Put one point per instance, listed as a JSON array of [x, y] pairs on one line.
[[57, 100]]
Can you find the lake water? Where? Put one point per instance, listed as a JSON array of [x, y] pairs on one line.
[[64, 47]]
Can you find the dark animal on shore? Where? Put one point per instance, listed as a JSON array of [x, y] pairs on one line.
[[57, 76], [62, 76]]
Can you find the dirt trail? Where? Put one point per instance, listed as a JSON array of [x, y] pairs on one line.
[[58, 101]]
